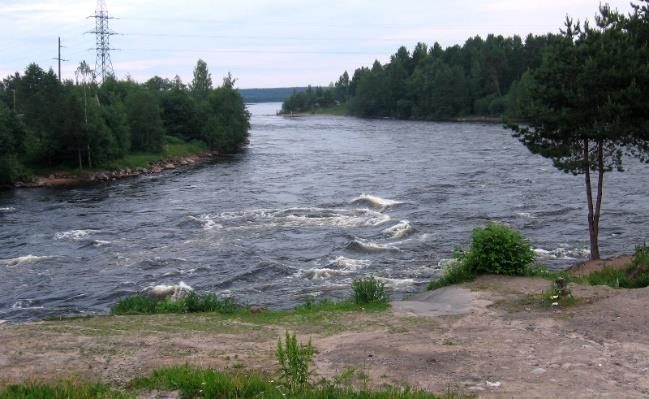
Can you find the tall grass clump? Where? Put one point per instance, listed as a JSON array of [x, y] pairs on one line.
[[294, 361], [369, 291], [635, 275], [191, 303], [494, 249]]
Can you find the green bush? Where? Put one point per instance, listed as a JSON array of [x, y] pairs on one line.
[[294, 361], [368, 291], [498, 249]]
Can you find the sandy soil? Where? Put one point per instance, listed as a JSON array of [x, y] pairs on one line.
[[492, 337]]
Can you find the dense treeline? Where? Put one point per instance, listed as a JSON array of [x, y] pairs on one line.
[[484, 77], [47, 124]]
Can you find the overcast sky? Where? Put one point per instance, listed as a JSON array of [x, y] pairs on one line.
[[264, 43]]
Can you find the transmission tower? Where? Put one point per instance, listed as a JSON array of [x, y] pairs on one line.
[[103, 64]]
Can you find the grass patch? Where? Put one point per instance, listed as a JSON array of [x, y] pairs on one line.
[[175, 148], [63, 390], [206, 383], [192, 303]]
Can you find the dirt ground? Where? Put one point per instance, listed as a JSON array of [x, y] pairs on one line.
[[493, 338]]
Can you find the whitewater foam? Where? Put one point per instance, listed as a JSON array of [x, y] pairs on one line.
[[74, 235], [399, 230], [321, 273], [360, 217], [524, 215], [562, 253], [7, 209], [164, 291], [350, 264], [22, 260], [207, 222], [446, 262], [360, 244], [375, 201], [397, 282]]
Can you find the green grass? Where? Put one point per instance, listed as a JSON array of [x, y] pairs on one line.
[[175, 148], [192, 382], [211, 303], [61, 390], [206, 383], [192, 303]]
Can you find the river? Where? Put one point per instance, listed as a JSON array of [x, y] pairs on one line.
[[311, 204]]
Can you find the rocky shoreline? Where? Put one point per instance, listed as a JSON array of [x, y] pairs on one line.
[[64, 179]]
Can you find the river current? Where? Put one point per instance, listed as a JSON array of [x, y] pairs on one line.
[[311, 204]]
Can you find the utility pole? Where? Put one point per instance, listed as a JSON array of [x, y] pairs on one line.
[[102, 32], [59, 59]]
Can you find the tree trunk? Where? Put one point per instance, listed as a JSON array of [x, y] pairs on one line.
[[593, 216], [89, 157], [79, 156], [600, 192]]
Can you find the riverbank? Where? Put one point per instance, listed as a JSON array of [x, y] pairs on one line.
[[494, 337], [135, 165]]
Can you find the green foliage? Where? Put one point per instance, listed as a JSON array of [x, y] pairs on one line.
[[293, 361], [495, 249], [434, 83], [82, 125], [587, 101], [498, 249], [202, 82], [635, 275], [369, 291], [194, 382], [455, 272], [67, 390], [312, 100], [191, 303]]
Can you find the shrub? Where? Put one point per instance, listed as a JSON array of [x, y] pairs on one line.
[[498, 249], [369, 291], [294, 361]]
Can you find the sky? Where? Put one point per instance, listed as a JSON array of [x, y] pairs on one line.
[[263, 43]]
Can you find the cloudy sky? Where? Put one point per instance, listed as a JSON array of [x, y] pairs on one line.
[[264, 43]]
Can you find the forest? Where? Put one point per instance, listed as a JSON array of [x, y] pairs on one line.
[[483, 77], [46, 124]]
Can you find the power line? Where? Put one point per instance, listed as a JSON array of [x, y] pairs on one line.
[[102, 33]]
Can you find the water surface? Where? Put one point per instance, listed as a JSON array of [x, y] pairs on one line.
[[312, 203]]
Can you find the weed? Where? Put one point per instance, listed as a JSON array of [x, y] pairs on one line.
[[369, 291], [294, 360]]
